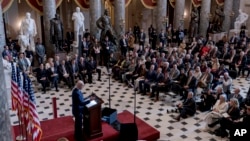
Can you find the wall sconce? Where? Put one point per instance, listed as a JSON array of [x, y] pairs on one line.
[[140, 16]]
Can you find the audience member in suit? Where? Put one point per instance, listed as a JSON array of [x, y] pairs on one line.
[[64, 74], [163, 37], [30, 55], [106, 50], [207, 101], [136, 32], [142, 38], [206, 79], [23, 63], [190, 84], [123, 45], [158, 78], [149, 78], [78, 104], [53, 75], [188, 107], [153, 39], [91, 68], [165, 85], [40, 51], [236, 95], [82, 65], [57, 61], [174, 72], [234, 39], [73, 71], [42, 77]]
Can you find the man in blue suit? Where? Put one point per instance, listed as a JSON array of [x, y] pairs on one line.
[[78, 104]]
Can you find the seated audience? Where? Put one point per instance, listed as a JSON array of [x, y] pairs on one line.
[[188, 107], [207, 101]]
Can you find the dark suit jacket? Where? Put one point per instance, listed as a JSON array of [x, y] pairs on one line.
[[159, 78], [60, 69], [71, 69], [91, 66], [50, 72], [234, 113], [162, 37], [150, 76], [142, 37], [78, 102], [82, 66], [40, 74], [190, 104], [192, 83], [122, 44], [239, 97]]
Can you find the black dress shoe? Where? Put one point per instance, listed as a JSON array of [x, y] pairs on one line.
[[167, 111], [57, 90]]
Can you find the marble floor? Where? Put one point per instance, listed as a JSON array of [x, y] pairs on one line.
[[122, 98]]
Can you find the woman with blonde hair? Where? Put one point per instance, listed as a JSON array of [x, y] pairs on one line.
[[220, 107]]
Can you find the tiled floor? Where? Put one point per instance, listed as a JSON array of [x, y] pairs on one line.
[[122, 98]]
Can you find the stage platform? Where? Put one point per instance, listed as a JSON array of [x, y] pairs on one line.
[[64, 127]]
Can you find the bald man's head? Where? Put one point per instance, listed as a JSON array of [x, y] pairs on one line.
[[79, 84]]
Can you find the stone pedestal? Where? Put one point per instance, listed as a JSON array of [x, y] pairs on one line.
[[204, 16], [232, 31], [217, 36], [119, 16], [5, 128], [161, 14], [49, 11], [179, 14], [95, 13]]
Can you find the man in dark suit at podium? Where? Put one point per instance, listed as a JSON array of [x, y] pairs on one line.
[[78, 104]]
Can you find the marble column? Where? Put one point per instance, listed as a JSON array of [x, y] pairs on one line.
[[161, 14], [179, 14], [49, 11], [5, 128], [95, 14], [235, 9], [119, 10], [204, 17], [228, 5]]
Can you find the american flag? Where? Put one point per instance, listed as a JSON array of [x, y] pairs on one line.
[[16, 93], [34, 123]]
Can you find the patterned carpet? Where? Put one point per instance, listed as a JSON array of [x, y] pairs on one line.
[[122, 98]]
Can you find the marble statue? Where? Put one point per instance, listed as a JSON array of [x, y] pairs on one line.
[[79, 27], [28, 30], [104, 23], [194, 22], [241, 19], [56, 32], [218, 19]]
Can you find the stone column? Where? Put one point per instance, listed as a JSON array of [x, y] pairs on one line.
[[179, 14], [119, 16], [204, 17], [235, 9], [5, 128], [228, 5], [95, 13], [49, 11], [161, 14]]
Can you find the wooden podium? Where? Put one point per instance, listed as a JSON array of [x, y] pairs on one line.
[[92, 118]]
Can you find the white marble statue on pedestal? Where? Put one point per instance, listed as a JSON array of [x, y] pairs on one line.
[[28, 30], [79, 27], [242, 18]]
